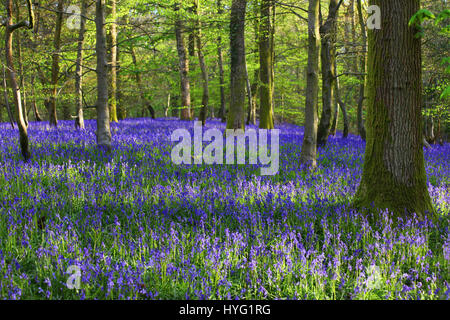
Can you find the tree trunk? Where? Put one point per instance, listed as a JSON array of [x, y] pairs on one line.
[[362, 67], [9, 29], [394, 171], [266, 65], [103, 125], [113, 93], [236, 114], [309, 146], [7, 105], [79, 120], [184, 69], [222, 110], [20, 65], [328, 57], [55, 64], [203, 67]]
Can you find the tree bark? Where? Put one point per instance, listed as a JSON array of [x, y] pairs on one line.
[[79, 120], [103, 125], [236, 114], [394, 171], [309, 147], [266, 65], [184, 68], [342, 106]]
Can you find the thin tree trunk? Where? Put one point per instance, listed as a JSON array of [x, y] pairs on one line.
[[362, 67], [266, 65], [342, 106], [394, 171], [103, 125], [113, 93], [9, 29], [309, 147], [184, 68], [222, 109], [55, 64], [20, 65], [79, 120], [37, 116], [236, 114], [203, 67]]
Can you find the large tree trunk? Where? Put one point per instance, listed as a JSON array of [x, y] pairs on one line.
[[309, 146], [362, 67], [113, 93], [103, 125], [328, 56], [79, 120], [9, 29], [236, 114], [55, 64], [266, 65], [203, 67], [184, 68], [394, 171]]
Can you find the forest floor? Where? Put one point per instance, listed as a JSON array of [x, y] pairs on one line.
[[137, 226]]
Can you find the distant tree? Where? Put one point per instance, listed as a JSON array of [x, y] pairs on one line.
[[394, 171], [113, 33]]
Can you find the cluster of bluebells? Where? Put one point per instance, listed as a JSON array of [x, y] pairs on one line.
[[139, 227]]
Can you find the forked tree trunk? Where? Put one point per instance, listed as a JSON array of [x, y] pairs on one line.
[[37, 116], [308, 154], [9, 29], [79, 120], [342, 106], [184, 68], [236, 114], [103, 125], [394, 171]]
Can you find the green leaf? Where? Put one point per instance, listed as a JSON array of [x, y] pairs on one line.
[[420, 16], [442, 16], [446, 93]]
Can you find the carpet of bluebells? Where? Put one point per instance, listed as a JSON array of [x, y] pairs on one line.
[[140, 227]]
